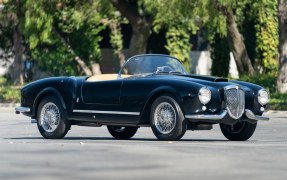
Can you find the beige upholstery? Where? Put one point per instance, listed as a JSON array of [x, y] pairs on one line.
[[105, 77]]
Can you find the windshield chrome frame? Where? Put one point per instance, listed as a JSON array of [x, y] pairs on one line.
[[140, 55]]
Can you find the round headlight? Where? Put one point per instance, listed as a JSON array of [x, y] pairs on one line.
[[204, 95], [263, 97]]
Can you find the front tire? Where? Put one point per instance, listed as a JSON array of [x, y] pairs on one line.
[[167, 119], [241, 131], [52, 122], [120, 132]]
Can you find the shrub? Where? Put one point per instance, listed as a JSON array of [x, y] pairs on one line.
[[277, 101], [9, 93], [267, 81]]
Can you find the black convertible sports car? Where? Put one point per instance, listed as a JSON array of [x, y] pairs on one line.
[[150, 90]]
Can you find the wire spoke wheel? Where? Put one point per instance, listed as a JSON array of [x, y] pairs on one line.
[[165, 117], [122, 132], [50, 117], [240, 131]]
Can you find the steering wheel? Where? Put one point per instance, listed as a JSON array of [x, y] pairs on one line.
[[161, 69]]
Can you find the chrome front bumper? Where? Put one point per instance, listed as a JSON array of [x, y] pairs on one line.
[[19, 110], [223, 113], [251, 115], [22, 109]]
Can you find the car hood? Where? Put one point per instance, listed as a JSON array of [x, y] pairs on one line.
[[214, 82]]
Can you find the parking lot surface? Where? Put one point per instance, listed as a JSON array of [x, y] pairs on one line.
[[91, 153]]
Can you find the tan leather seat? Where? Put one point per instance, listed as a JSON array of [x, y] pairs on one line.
[[105, 77]]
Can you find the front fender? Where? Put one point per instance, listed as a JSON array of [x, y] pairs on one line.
[[43, 93], [164, 89], [145, 113]]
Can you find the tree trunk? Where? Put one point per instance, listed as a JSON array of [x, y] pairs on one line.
[[121, 57], [237, 47], [16, 69], [140, 36], [141, 25], [282, 76], [96, 68], [83, 65]]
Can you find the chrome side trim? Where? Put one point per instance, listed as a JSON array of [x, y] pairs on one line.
[[251, 115], [22, 109], [106, 112], [219, 116]]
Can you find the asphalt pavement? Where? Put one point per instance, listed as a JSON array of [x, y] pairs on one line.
[[91, 153]]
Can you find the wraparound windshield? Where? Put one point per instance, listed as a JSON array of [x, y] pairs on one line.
[[151, 64]]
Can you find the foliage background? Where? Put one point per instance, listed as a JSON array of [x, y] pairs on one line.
[[57, 34]]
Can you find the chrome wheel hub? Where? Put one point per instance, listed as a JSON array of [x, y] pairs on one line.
[[118, 128], [49, 117], [165, 118]]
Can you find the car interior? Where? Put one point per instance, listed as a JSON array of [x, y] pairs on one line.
[[106, 77]]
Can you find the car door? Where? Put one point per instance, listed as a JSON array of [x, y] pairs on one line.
[[101, 101], [134, 93], [101, 93]]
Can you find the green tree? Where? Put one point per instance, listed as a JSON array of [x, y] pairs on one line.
[[72, 24], [243, 19], [282, 76], [172, 16], [113, 19], [220, 55], [265, 13], [12, 16], [218, 16], [228, 19], [6, 36], [178, 45], [141, 21]]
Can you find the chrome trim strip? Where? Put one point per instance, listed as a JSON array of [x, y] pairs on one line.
[[233, 86], [22, 109], [106, 112], [251, 115], [219, 116]]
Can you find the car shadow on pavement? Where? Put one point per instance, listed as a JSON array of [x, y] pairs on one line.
[[112, 139]]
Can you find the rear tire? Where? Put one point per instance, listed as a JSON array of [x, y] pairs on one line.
[[120, 132], [167, 120], [52, 122], [240, 131]]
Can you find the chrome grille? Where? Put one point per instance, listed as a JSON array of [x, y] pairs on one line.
[[235, 101]]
